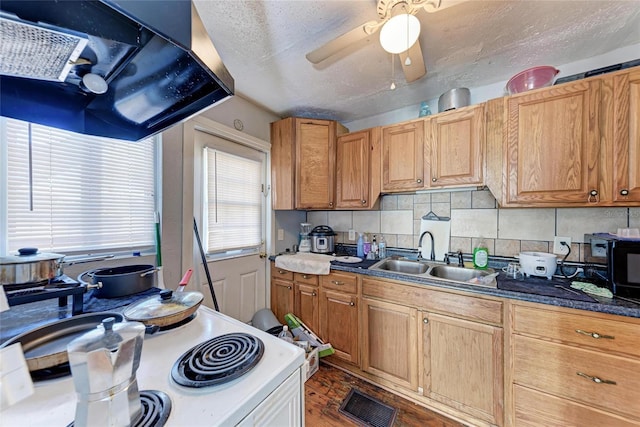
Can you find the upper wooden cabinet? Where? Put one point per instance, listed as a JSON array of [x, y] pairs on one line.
[[455, 148], [403, 156], [358, 169], [303, 157], [574, 144], [621, 102]]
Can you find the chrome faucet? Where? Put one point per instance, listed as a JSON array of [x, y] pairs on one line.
[[433, 252]]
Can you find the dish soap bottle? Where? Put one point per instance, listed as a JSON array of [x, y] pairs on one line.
[[360, 250], [382, 248], [481, 256]]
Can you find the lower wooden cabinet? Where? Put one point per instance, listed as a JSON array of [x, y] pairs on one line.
[[339, 323], [462, 365], [282, 298], [573, 368], [390, 342], [307, 306]]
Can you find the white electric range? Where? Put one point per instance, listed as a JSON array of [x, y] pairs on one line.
[[270, 390]]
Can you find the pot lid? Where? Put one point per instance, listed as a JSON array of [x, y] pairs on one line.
[[30, 257], [322, 230], [165, 304]]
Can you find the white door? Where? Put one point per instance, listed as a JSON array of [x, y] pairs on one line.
[[231, 215]]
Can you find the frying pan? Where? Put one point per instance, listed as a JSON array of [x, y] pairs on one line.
[[46, 346], [166, 308]]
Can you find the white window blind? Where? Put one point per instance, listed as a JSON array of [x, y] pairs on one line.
[[233, 202], [86, 192]]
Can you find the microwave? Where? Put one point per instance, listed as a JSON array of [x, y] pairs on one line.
[[622, 259]]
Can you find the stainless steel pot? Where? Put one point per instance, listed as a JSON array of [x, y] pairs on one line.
[[454, 98], [32, 267], [120, 281], [322, 239]]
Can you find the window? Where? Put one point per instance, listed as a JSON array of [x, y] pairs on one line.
[[67, 192], [233, 201]]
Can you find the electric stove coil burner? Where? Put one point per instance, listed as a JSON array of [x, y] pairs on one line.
[[156, 407], [218, 360]]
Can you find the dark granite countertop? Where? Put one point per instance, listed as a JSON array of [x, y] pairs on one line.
[[531, 289]]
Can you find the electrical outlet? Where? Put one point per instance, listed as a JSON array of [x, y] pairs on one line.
[[558, 248], [352, 235], [280, 234]]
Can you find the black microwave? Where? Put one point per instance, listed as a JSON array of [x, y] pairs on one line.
[[622, 259]]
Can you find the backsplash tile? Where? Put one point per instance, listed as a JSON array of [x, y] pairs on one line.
[[575, 222], [527, 224], [474, 223], [475, 215]]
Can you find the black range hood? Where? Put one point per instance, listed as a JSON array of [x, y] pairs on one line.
[[156, 58]]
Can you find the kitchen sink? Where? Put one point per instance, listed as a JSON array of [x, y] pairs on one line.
[[401, 266], [437, 271]]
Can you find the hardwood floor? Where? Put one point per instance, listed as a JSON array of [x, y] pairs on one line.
[[327, 388]]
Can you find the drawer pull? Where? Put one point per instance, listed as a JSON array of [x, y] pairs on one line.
[[289, 287], [352, 303], [595, 335], [281, 272], [595, 379], [304, 276], [337, 282], [313, 294]]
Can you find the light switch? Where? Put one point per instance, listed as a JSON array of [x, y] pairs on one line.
[[280, 234]]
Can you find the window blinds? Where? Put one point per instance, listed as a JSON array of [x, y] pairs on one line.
[[87, 193], [233, 201]]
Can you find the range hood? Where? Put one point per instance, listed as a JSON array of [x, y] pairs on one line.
[[123, 69]]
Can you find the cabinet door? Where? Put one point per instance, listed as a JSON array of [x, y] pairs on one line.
[[307, 306], [353, 170], [403, 156], [462, 364], [553, 139], [390, 346], [282, 163], [626, 137], [315, 164], [281, 298], [455, 143], [339, 323]]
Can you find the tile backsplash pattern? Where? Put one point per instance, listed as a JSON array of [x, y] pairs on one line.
[[475, 217]]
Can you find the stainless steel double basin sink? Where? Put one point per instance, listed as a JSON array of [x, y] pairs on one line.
[[431, 269]]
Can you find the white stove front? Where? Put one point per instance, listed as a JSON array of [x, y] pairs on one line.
[[54, 401]]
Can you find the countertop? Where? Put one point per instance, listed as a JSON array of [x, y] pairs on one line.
[[531, 289]]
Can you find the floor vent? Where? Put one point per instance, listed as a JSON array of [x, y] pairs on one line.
[[366, 410]]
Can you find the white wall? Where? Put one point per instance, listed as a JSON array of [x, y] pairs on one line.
[[497, 90]]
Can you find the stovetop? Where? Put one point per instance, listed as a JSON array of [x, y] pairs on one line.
[[54, 400]]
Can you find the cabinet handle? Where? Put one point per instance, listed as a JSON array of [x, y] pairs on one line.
[[313, 294], [364, 202], [593, 196], [330, 204], [352, 303], [289, 287], [304, 276], [595, 379], [281, 272], [419, 181], [335, 282], [624, 192], [434, 179], [595, 334], [425, 320]]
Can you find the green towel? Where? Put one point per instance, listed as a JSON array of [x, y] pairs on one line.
[[590, 288]]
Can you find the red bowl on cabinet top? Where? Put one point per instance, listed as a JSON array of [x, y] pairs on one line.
[[532, 78]]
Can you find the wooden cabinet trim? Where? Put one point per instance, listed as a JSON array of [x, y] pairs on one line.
[[469, 307]]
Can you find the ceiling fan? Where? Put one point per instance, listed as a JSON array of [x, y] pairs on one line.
[[399, 31]]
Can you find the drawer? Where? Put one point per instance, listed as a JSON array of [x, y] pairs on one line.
[[608, 333], [576, 374], [344, 282], [468, 307], [281, 273], [307, 279], [536, 409]]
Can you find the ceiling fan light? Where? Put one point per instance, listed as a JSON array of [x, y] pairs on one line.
[[399, 33]]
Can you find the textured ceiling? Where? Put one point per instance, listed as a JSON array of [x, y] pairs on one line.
[[471, 44]]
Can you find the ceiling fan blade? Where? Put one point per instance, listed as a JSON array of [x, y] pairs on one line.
[[417, 69], [336, 45]]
